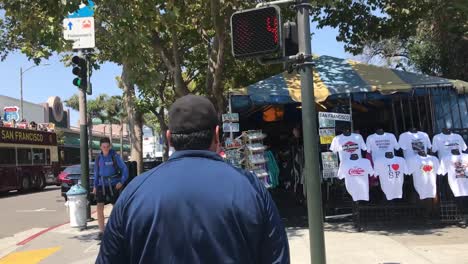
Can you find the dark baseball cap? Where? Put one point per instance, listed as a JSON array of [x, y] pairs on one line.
[[192, 113]]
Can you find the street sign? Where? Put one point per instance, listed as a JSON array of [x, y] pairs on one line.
[[81, 31], [84, 11]]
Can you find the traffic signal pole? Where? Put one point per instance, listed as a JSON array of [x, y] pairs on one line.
[[84, 158], [311, 152]]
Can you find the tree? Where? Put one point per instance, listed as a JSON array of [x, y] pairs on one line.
[[94, 110]]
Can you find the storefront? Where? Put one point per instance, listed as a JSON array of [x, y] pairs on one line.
[[374, 98]]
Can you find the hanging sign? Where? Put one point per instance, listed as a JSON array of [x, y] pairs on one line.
[[231, 127], [231, 118], [326, 135], [232, 143], [329, 165], [335, 116]]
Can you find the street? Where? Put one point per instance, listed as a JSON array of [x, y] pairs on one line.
[[21, 212]]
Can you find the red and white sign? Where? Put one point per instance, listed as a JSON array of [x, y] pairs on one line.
[[81, 31]]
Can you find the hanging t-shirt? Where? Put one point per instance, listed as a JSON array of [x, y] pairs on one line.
[[391, 174], [443, 144], [456, 166], [356, 174], [424, 171], [347, 145], [378, 145], [413, 143]]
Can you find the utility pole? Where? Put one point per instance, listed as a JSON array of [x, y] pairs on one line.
[[309, 126], [82, 71], [21, 93]]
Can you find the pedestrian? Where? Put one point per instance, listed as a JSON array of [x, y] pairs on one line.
[[194, 208], [110, 174]]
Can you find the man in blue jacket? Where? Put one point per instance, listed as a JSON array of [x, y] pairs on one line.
[[110, 174], [194, 208]]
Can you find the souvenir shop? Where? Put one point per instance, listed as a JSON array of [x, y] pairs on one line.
[[391, 142]]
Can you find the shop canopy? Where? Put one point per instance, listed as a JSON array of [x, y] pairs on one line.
[[335, 76]]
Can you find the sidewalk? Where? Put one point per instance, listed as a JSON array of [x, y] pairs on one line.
[[64, 244]]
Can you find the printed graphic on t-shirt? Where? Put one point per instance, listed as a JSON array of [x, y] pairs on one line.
[[393, 171], [383, 143], [356, 171], [452, 144], [350, 146], [418, 145], [460, 170], [427, 168]]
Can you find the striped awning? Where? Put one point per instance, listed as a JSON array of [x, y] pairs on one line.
[[334, 76]]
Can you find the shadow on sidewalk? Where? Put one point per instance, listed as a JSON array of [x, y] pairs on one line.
[[90, 234], [294, 217]]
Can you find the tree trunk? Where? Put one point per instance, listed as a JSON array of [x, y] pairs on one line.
[[164, 127], [135, 118], [121, 136], [110, 131]]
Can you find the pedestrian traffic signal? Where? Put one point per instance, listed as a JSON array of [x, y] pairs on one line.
[[256, 32], [80, 69], [291, 44]]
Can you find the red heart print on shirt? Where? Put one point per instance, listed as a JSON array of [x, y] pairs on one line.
[[395, 167], [427, 168]]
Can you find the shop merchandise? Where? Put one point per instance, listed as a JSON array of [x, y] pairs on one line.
[[347, 145], [391, 173], [254, 153], [456, 166], [444, 143], [424, 170], [378, 145], [356, 174], [412, 142]]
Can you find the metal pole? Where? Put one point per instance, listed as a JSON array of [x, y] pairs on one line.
[[231, 134], [351, 111], [21, 93], [309, 123], [395, 124], [402, 113], [419, 114], [411, 111], [84, 144]]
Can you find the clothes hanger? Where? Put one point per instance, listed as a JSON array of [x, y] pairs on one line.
[[389, 155]]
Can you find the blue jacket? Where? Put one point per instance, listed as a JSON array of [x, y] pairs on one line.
[[195, 208], [106, 168]]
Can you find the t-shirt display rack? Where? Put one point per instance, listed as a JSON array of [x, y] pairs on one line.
[[385, 211]]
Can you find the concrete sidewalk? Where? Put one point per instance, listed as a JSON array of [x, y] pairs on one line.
[[447, 245]]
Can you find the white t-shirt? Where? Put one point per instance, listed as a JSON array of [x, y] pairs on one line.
[[347, 145], [412, 143], [378, 145], [391, 174], [356, 174], [456, 166], [443, 144], [424, 171]]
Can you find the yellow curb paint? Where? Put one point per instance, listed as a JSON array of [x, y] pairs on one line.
[[28, 257]]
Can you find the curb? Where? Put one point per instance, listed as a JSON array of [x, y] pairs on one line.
[[40, 233]]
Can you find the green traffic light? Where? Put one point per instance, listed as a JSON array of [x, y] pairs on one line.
[[77, 82]]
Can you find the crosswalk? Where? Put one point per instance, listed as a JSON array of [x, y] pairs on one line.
[[29, 257]]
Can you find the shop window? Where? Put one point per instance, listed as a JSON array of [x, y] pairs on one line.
[[39, 156], [7, 156], [24, 156]]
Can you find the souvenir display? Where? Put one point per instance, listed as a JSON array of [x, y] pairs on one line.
[[356, 174], [413, 142], [380, 143], [391, 171], [254, 152], [346, 145], [424, 170], [456, 167], [443, 143]]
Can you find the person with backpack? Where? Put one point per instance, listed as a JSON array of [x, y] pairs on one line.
[[110, 175]]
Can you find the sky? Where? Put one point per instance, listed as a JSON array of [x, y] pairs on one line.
[[39, 83]]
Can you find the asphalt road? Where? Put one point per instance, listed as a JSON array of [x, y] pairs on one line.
[[21, 212]]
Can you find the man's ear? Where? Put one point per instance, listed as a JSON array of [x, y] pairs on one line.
[[217, 136], [168, 138]]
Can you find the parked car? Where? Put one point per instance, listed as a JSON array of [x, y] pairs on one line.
[[71, 176]]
